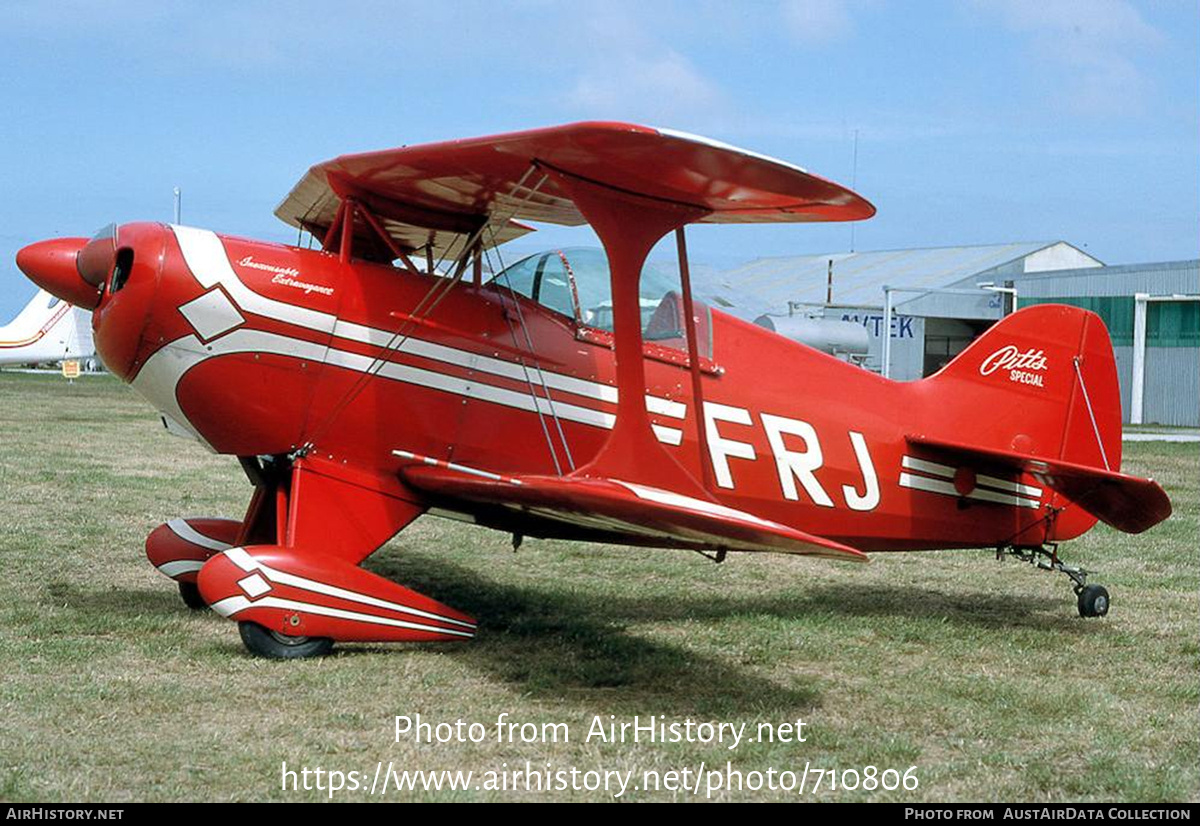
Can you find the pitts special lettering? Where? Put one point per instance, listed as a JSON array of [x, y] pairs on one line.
[[1023, 368], [1011, 358], [792, 464]]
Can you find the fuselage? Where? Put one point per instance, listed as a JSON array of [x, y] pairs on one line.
[[261, 348]]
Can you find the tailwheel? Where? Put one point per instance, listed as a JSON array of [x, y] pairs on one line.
[[189, 592], [1093, 601], [263, 642]]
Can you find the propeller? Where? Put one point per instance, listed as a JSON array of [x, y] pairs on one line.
[[96, 260], [73, 269]]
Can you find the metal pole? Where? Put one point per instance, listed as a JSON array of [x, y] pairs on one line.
[[178, 204], [889, 310], [1138, 383], [1007, 293], [854, 186], [887, 332]]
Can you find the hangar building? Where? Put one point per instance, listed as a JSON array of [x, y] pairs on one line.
[[1152, 312], [939, 307], [941, 299]]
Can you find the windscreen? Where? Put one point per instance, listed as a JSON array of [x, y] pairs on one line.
[[574, 282]]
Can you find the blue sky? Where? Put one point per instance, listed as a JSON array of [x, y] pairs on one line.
[[978, 121]]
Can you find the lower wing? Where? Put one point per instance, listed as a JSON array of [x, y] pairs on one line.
[[622, 511]]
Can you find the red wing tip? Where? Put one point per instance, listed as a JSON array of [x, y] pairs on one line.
[[855, 559], [852, 555]]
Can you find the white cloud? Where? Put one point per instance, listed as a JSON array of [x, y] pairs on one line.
[[628, 72], [1084, 22], [665, 86], [1091, 46], [817, 21]]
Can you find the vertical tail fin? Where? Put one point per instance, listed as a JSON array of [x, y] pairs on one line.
[[1038, 394], [45, 330], [1042, 381]]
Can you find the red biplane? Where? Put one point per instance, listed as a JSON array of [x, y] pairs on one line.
[[576, 395]]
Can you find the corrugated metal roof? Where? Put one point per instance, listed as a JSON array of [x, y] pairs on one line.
[[1155, 278], [768, 284]]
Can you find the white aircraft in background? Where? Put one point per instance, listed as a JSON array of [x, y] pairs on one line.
[[47, 330]]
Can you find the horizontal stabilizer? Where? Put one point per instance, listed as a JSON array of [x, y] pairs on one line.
[[645, 514], [1128, 503]]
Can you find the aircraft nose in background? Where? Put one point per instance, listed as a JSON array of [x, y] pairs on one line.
[[51, 265]]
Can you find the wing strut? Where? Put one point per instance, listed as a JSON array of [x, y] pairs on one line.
[[629, 225], [341, 233], [689, 312], [438, 290]]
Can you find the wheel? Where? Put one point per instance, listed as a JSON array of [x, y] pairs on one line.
[[275, 646], [1093, 601], [189, 592]]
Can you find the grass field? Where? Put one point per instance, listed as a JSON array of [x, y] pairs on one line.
[[977, 672]]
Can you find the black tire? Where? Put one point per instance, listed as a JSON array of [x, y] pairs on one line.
[[275, 646], [1093, 601], [189, 592]]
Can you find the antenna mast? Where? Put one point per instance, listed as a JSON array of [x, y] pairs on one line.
[[854, 184]]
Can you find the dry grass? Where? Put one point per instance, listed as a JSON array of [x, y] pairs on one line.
[[977, 672]]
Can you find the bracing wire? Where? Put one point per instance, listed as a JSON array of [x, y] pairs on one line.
[[540, 373], [429, 301], [460, 260], [1091, 414], [537, 407]]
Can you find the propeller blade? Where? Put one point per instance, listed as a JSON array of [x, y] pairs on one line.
[[96, 260]]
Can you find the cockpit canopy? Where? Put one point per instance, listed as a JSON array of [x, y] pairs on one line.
[[574, 282]]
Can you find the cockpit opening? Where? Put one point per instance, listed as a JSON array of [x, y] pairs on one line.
[[574, 282]]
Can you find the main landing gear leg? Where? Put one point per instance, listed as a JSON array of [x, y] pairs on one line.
[[292, 580], [180, 547], [1092, 599]]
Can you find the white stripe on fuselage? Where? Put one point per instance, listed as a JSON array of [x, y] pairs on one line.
[[923, 483], [947, 472], [208, 261], [206, 258], [162, 372]]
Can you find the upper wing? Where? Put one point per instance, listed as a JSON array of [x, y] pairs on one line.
[[439, 192], [1128, 503], [622, 511]]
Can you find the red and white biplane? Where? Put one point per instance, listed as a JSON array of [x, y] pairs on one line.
[[577, 395]]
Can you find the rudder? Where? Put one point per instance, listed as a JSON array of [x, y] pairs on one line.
[[1052, 368], [1041, 382]]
